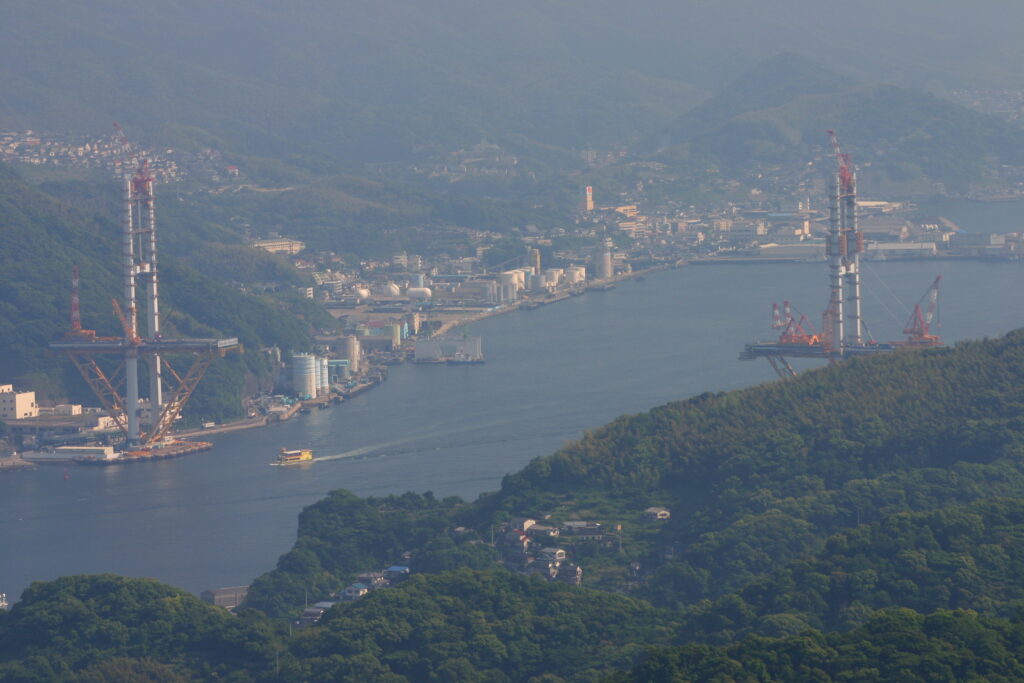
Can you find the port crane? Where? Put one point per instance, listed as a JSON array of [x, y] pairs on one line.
[[918, 327]]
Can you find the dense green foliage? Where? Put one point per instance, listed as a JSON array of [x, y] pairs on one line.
[[898, 646], [468, 625], [95, 626], [343, 535], [864, 521]]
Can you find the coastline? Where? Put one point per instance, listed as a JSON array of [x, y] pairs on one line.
[[447, 327]]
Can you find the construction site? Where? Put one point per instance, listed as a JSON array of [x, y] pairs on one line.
[[144, 411], [843, 330]]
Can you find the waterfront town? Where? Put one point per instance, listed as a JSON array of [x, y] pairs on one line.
[[415, 307]]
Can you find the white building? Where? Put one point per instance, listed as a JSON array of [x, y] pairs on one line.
[[15, 405]]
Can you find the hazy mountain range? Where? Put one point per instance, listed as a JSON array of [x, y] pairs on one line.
[[381, 80]]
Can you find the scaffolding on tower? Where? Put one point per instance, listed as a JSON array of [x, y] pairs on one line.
[[843, 332], [118, 390]]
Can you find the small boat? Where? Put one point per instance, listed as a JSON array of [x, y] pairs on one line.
[[294, 457]]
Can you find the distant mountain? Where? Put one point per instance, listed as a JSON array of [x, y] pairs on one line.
[[372, 81], [778, 113], [772, 83]]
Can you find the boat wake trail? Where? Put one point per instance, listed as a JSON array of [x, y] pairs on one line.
[[365, 450]]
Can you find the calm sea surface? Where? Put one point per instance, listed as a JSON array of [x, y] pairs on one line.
[[223, 517]]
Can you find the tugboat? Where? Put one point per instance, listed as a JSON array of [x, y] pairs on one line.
[[294, 457]]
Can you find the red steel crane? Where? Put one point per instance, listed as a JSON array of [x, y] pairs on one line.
[[918, 327]]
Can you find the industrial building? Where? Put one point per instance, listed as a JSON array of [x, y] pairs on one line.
[[279, 245], [468, 350], [17, 405]]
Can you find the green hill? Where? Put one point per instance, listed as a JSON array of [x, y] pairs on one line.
[[861, 522], [777, 114]]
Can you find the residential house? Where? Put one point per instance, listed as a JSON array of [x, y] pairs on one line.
[[655, 514]]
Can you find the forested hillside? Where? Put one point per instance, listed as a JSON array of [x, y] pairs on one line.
[[861, 522]]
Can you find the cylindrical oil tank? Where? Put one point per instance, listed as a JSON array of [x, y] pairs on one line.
[[539, 282], [391, 289], [576, 274], [304, 371], [507, 284], [554, 275], [605, 268], [352, 351], [419, 293]]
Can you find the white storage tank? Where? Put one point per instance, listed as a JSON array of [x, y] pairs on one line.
[[420, 293], [304, 374], [553, 275], [325, 376], [391, 289], [539, 283], [507, 286], [576, 274], [352, 351], [363, 293]]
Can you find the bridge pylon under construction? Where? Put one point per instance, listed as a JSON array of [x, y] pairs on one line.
[[843, 331], [145, 420]]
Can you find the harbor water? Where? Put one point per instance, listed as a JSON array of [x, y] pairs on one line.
[[222, 517]]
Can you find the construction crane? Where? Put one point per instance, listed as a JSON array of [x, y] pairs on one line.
[[130, 334], [918, 327], [843, 162]]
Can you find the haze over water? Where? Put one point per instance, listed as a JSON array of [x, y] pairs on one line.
[[223, 517]]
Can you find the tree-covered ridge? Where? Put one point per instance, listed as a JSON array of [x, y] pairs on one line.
[[821, 529], [75, 627], [759, 481], [897, 646], [343, 535], [480, 626], [957, 557]]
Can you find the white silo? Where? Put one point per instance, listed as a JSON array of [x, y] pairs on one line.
[[304, 372], [576, 274], [507, 284], [539, 283], [553, 276], [325, 376], [419, 293], [605, 269], [352, 351]]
